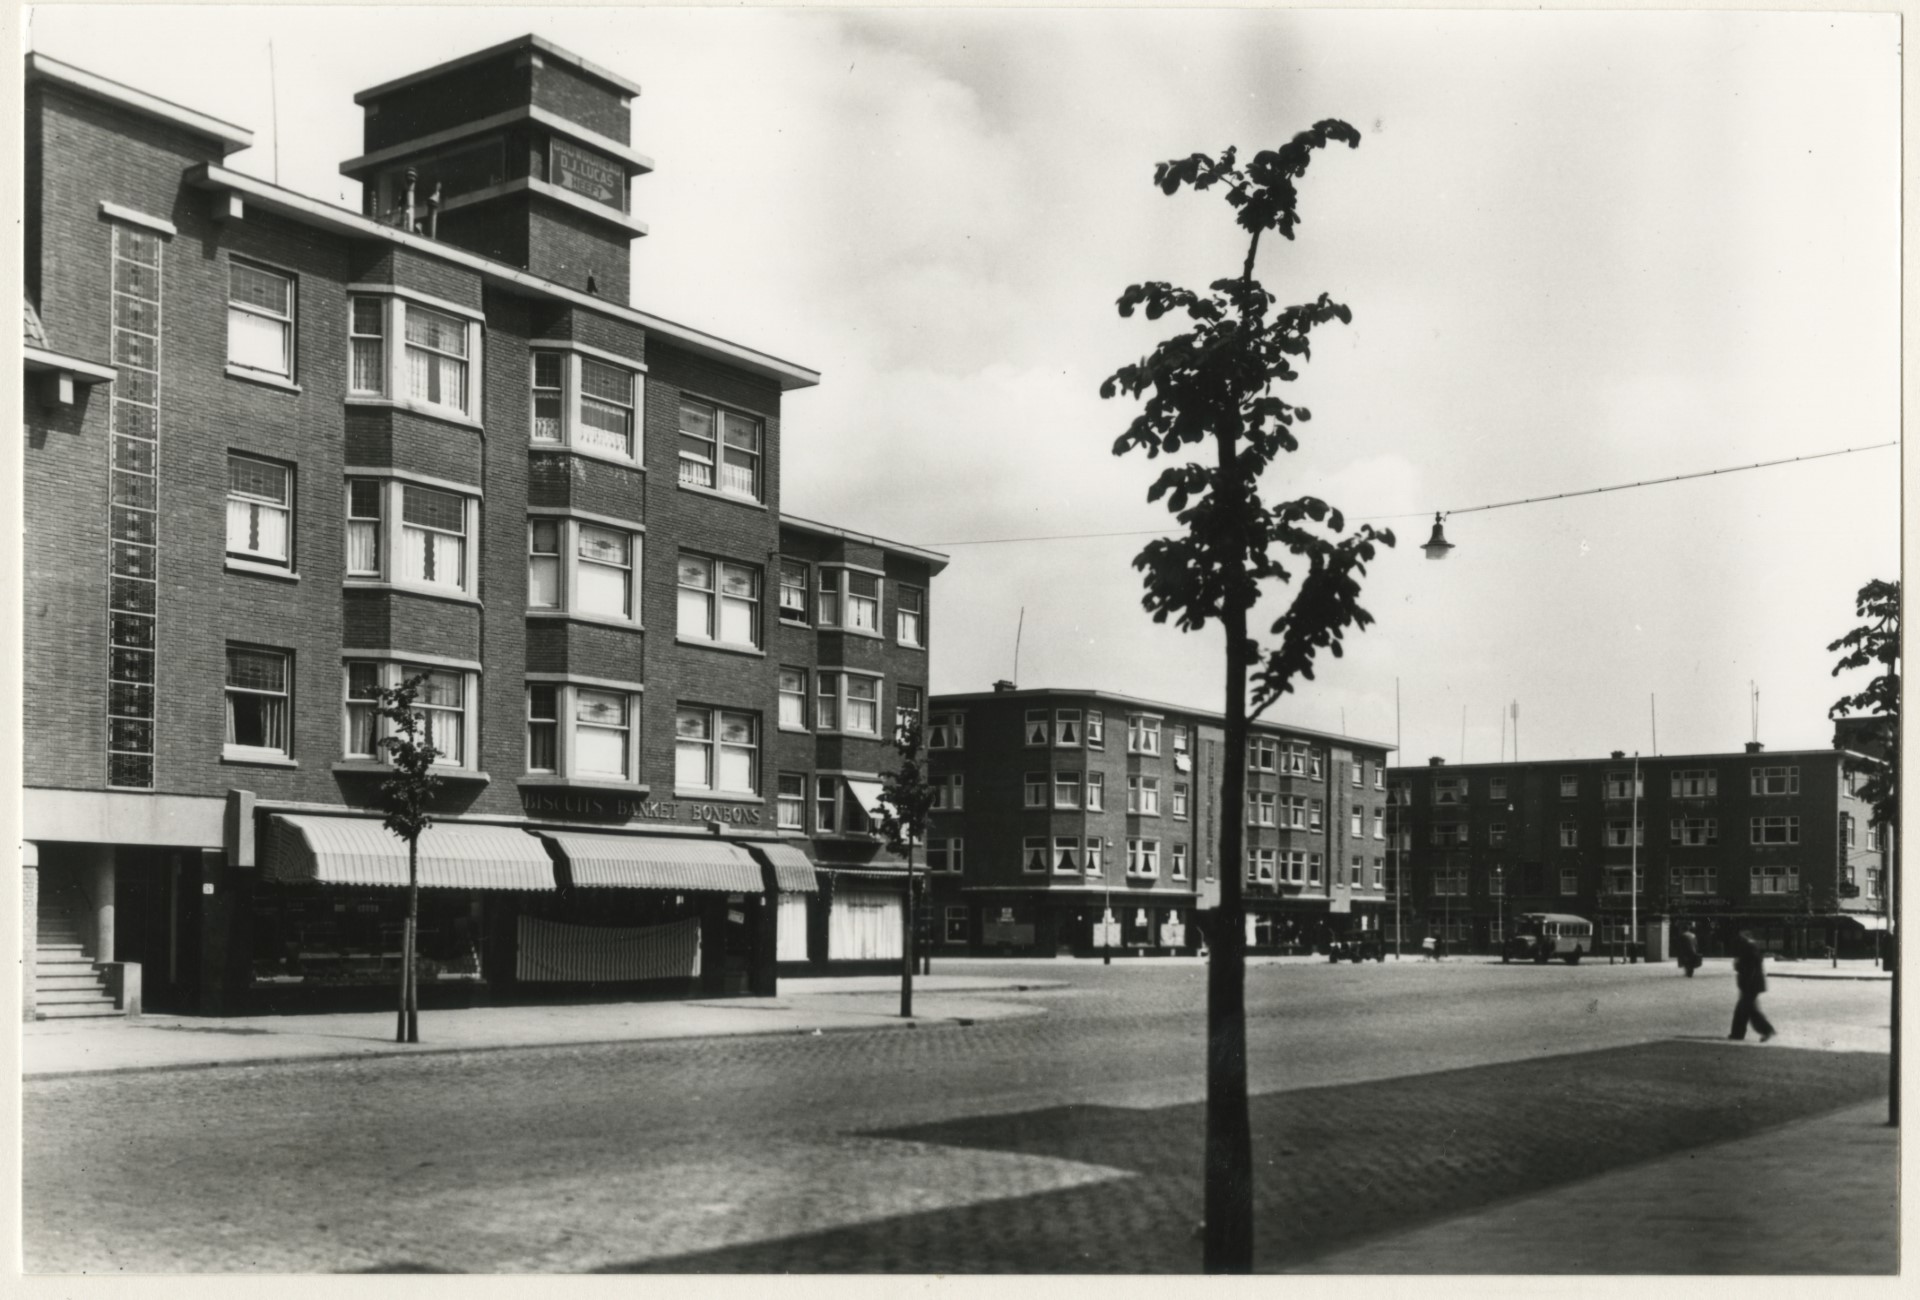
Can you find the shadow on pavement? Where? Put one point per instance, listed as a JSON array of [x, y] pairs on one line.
[[1333, 1165]]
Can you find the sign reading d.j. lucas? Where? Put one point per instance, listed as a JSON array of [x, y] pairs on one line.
[[601, 806], [587, 173]]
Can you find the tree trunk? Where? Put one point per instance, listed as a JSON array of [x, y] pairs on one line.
[[906, 946], [1889, 890], [413, 941], [1229, 1157]]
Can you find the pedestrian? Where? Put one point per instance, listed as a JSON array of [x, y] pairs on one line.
[[1749, 971], [1689, 952], [1429, 949]]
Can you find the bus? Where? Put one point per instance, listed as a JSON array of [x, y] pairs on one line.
[[1539, 936]]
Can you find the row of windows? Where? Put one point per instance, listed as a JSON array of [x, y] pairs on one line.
[[1685, 783], [574, 730], [850, 599], [1689, 832], [414, 535], [1073, 728], [1622, 881], [1074, 855], [579, 401]]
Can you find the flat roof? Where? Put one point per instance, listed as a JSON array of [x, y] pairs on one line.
[[934, 558], [1044, 692], [528, 42], [45, 67], [1629, 759]]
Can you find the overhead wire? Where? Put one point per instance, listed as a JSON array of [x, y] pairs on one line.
[[1463, 510]]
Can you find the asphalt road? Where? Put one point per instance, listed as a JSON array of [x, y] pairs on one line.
[[1067, 1139]]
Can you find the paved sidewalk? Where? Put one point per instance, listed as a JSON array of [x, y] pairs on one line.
[[58, 1047], [1808, 1197]]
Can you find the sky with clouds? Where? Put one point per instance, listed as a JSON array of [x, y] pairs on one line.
[[1580, 250]]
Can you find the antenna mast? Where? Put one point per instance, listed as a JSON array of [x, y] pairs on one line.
[[1017, 633]]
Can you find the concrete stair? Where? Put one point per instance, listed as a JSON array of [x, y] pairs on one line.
[[65, 984]]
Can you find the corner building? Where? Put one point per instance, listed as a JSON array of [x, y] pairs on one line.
[[1779, 844], [1084, 822], [279, 453]]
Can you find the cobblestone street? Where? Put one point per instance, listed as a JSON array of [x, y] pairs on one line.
[[1387, 1097]]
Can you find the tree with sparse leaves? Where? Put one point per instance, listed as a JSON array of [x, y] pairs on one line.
[[1876, 644], [906, 801], [1210, 389], [405, 797]]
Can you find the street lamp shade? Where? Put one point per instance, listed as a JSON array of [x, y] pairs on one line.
[[1437, 546]]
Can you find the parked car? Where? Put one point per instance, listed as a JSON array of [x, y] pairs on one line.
[[1358, 947], [1541, 936]]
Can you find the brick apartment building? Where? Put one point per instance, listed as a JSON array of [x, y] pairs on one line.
[[279, 452], [1779, 844], [1060, 809]]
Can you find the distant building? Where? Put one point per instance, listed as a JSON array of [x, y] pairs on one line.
[[1779, 844], [1062, 808], [280, 452]]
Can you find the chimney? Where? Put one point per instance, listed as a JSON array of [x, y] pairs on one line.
[[1619, 753], [1436, 761], [1754, 746], [1002, 686]]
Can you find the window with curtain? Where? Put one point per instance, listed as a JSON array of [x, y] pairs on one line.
[[793, 698], [696, 444], [367, 347], [549, 396], [543, 727], [715, 749], [606, 408], [910, 608], [604, 573], [259, 511], [740, 470], [436, 358], [257, 701], [260, 319], [863, 601], [543, 564], [719, 601], [793, 591], [600, 734], [441, 703], [433, 537], [364, 500]]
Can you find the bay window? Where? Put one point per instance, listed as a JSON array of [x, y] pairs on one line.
[[1035, 790], [828, 611], [1096, 792], [447, 723], [863, 602], [719, 601], [576, 567], [1143, 858], [1260, 865], [259, 704], [583, 731], [1179, 865], [426, 527], [715, 751], [436, 367], [1143, 734], [1096, 729], [1066, 854], [1090, 858], [793, 699], [259, 511], [1066, 728], [1066, 789], [585, 403], [793, 591], [719, 449], [1033, 853], [848, 702], [260, 315]]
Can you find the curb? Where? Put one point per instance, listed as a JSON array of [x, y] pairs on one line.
[[389, 1053], [1792, 975]]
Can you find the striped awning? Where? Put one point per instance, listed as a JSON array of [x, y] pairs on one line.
[[656, 862], [868, 793], [360, 851], [792, 871]]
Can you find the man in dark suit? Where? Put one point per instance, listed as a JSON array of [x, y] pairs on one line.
[[1689, 952], [1750, 975]]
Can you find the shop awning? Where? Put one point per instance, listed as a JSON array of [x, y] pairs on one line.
[[656, 862], [792, 871], [868, 793], [360, 851], [1867, 921]]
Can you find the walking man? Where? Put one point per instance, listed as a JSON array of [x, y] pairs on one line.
[[1750, 974], [1689, 952]]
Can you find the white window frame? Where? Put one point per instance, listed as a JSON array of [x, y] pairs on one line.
[[1143, 796], [1357, 773], [1496, 787], [1758, 876], [389, 672], [1447, 834], [1356, 821], [833, 695], [796, 614], [1262, 865], [1293, 812], [1066, 789], [1380, 776], [255, 504], [946, 854], [1617, 831], [790, 809], [1694, 832], [567, 725], [1036, 854], [716, 462], [390, 533], [1760, 778], [1626, 785], [1035, 728], [283, 752], [1316, 814], [1570, 787], [910, 615], [1066, 853], [1143, 859], [1068, 729], [1263, 754], [1034, 790], [1569, 835], [1694, 783], [1181, 794], [716, 749], [570, 428], [1496, 834], [1787, 825], [1143, 733], [1096, 792], [1569, 882], [1449, 791], [567, 562], [717, 601], [288, 321], [1096, 729], [909, 705], [950, 792], [1091, 856], [946, 731], [395, 390], [1177, 861], [1379, 823], [803, 695]]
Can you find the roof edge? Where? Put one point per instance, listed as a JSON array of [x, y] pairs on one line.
[[1034, 692], [528, 42], [46, 67], [938, 560]]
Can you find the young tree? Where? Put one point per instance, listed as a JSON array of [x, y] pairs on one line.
[[405, 797], [1876, 644], [906, 799], [1213, 384]]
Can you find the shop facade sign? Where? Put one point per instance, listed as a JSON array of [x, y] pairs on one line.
[[606, 806], [586, 173]]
